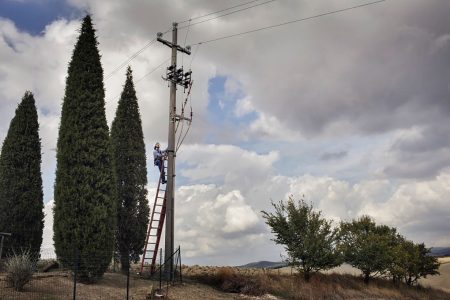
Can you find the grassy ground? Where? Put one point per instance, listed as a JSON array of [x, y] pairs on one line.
[[321, 286], [230, 283]]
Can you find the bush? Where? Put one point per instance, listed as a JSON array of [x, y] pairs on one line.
[[19, 269], [233, 282]]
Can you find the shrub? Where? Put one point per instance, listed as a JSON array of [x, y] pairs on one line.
[[308, 238], [19, 269], [233, 282]]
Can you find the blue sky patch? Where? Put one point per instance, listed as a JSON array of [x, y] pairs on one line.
[[222, 106], [33, 16]]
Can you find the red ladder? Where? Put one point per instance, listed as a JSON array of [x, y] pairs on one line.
[[155, 228]]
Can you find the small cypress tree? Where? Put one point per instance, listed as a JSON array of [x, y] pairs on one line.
[[21, 197], [131, 176], [85, 204]]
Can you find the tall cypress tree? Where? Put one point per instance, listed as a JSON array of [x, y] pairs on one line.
[[21, 197], [85, 205], [131, 175]]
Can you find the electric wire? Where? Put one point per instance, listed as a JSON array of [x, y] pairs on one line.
[[150, 72], [133, 56], [180, 139], [124, 63], [219, 11], [153, 70], [185, 38], [227, 14], [193, 56], [288, 22], [137, 53]]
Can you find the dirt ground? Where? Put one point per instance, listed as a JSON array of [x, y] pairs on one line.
[[59, 285]]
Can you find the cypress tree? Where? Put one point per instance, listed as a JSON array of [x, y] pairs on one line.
[[21, 197], [131, 175], [85, 205]]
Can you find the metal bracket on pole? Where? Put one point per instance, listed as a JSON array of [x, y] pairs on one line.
[[175, 77]]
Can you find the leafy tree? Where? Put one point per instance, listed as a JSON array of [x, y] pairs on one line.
[[85, 203], [21, 197], [131, 175], [367, 246], [307, 237], [412, 261]]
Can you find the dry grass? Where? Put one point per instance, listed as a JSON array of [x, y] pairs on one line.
[[201, 282], [444, 260], [321, 286]]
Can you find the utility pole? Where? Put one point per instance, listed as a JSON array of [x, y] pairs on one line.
[[175, 76]]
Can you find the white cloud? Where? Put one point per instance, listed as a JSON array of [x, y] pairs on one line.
[[351, 76], [47, 248], [243, 107]]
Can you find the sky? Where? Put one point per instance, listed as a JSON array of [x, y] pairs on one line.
[[348, 111]]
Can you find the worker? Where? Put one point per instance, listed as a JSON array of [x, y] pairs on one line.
[[158, 160]]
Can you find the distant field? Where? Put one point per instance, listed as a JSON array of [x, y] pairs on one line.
[[441, 281], [444, 260]]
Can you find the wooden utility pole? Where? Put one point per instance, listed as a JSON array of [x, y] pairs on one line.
[[175, 76]]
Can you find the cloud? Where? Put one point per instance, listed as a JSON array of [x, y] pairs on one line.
[[47, 248], [419, 152], [214, 222], [350, 110], [333, 155]]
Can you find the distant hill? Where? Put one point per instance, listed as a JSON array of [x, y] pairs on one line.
[[264, 264], [440, 251]]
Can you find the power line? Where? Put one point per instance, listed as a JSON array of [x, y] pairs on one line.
[[136, 54], [153, 70], [230, 13], [219, 11], [129, 59], [150, 72], [289, 22]]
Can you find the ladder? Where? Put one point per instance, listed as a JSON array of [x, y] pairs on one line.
[[155, 227]]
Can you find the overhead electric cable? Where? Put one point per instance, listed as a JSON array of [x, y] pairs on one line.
[[195, 53], [230, 13], [153, 70], [129, 59], [184, 45], [287, 23], [136, 54], [219, 11]]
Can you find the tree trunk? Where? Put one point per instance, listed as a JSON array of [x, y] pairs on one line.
[[124, 262], [366, 277], [307, 275]]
